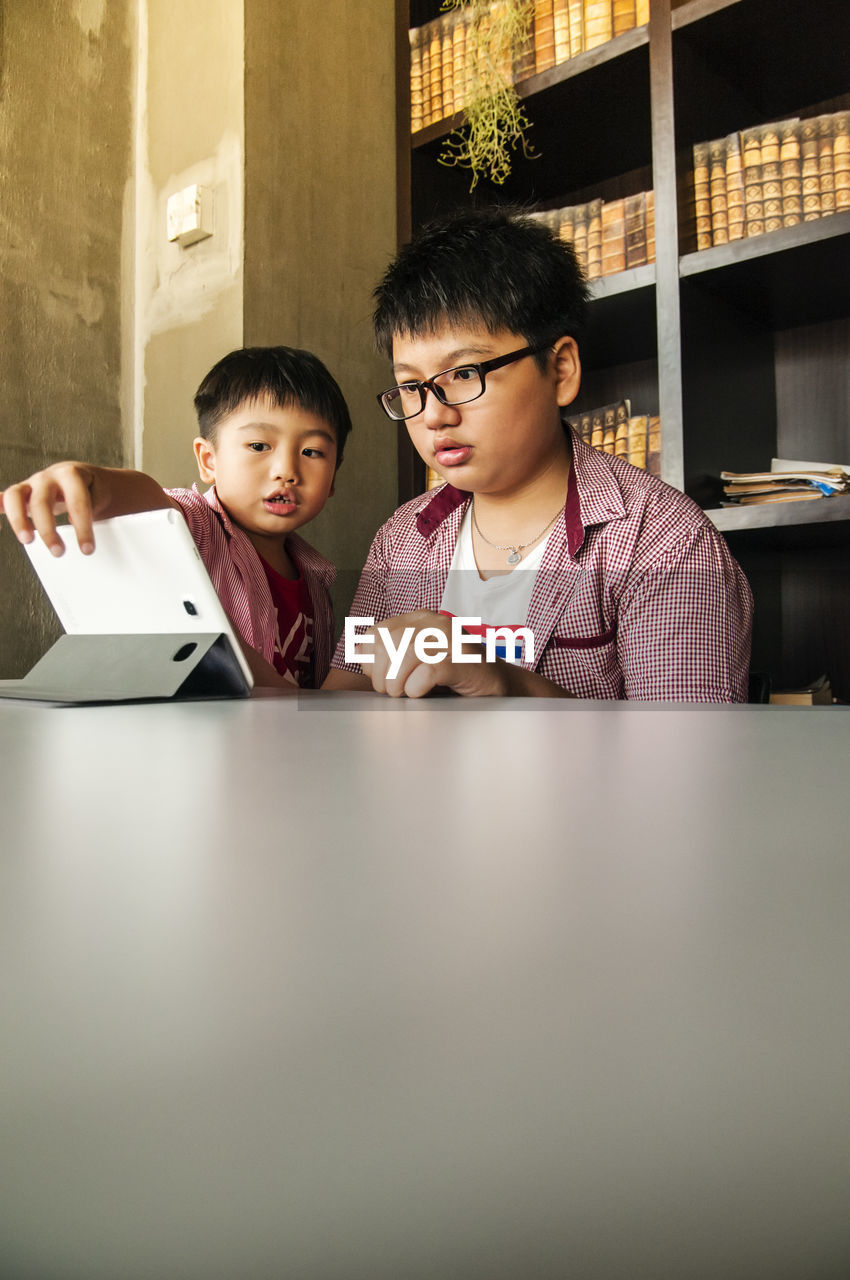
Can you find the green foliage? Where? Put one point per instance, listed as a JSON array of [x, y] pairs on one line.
[[495, 122]]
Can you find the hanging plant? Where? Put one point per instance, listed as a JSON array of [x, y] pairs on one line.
[[495, 122]]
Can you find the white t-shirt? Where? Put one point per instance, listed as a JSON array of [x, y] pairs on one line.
[[499, 601]]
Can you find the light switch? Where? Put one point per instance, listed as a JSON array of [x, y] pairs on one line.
[[189, 215]]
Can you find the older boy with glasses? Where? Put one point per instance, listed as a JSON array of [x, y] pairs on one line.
[[599, 580]]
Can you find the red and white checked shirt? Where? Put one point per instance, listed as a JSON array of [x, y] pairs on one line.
[[637, 595], [238, 576]]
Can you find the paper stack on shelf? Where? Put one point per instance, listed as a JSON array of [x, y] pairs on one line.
[[786, 481], [816, 694]]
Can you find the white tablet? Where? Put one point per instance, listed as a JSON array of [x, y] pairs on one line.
[[145, 578]]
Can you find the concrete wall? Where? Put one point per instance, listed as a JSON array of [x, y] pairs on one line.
[[188, 301], [105, 327], [320, 227], [65, 155]]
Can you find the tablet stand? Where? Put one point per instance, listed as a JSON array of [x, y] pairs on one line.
[[131, 668]]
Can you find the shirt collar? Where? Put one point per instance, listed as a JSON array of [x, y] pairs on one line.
[[435, 509], [593, 497], [211, 497]]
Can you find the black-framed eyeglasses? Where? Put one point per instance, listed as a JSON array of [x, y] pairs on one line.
[[453, 386]]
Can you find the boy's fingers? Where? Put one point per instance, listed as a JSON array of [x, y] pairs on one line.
[[412, 674], [391, 669], [31, 507], [423, 678], [376, 670], [42, 518], [14, 502], [78, 504], [396, 661]]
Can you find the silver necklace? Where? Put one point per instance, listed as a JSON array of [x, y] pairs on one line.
[[515, 556]]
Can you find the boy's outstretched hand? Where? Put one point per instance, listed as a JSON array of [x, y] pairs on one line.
[[87, 493], [32, 505]]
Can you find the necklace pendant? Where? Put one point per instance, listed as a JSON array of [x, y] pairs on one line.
[[514, 557]]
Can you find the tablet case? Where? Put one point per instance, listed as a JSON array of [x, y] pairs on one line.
[[142, 619]]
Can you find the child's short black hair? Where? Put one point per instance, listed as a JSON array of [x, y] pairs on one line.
[[495, 266], [284, 376]]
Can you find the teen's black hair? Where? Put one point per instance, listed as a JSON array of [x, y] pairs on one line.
[[495, 267], [285, 376]]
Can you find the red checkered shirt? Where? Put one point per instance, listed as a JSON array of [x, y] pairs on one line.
[[637, 595], [238, 576]]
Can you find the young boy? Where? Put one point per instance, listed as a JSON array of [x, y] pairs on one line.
[[605, 582], [273, 425]]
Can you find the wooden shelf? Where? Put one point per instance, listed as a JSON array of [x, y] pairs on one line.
[[623, 282], [695, 10], [786, 278], [782, 279], [742, 349], [782, 515], [774, 242], [559, 172], [583, 62], [534, 85], [621, 326]]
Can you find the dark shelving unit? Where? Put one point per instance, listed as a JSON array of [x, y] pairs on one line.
[[743, 349]]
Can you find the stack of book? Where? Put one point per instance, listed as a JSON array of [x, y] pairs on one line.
[[816, 694], [786, 481], [608, 236], [614, 429], [564, 28], [771, 176], [438, 69], [558, 31]]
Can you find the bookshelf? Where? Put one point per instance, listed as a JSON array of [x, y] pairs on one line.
[[742, 348]]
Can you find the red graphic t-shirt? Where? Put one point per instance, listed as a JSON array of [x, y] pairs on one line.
[[293, 646]]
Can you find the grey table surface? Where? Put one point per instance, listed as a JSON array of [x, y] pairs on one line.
[[339, 987]]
